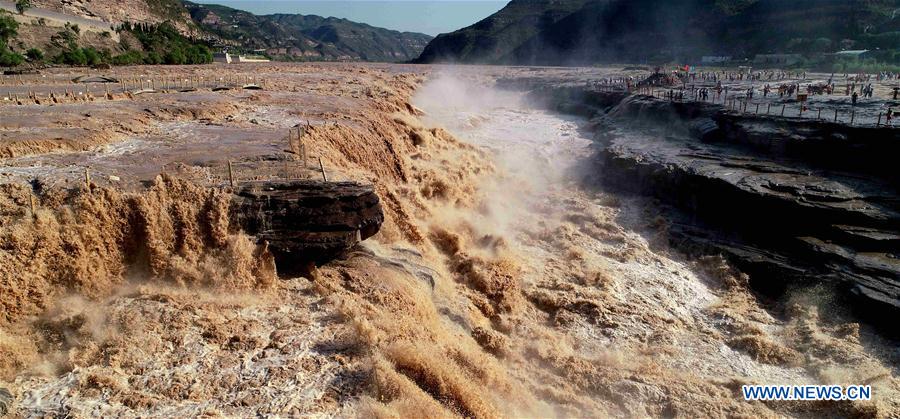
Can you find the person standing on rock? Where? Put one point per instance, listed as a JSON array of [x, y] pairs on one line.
[[890, 116], [854, 98]]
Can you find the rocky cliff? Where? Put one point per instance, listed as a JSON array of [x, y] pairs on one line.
[[792, 202], [120, 11]]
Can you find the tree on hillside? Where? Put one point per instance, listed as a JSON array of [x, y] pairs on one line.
[[8, 30], [23, 5], [8, 27]]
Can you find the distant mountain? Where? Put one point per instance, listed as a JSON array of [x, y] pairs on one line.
[[493, 39], [558, 32], [282, 36], [307, 37]]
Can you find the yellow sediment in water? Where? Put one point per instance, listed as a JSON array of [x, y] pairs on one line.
[[486, 294]]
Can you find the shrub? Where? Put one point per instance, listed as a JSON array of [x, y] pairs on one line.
[[71, 57], [81, 57], [153, 58], [34, 54], [9, 58], [175, 56], [130, 57], [92, 56], [9, 28], [166, 45], [23, 5], [65, 39]]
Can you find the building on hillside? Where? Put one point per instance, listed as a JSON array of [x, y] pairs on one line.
[[252, 59], [777, 59], [715, 59], [222, 57], [853, 54]]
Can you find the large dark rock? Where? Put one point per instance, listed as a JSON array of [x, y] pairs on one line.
[[307, 221]]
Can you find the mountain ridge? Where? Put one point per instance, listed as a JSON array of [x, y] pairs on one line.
[[603, 31], [291, 37], [301, 37]]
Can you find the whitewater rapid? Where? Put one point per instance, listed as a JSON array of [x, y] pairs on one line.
[[565, 229]]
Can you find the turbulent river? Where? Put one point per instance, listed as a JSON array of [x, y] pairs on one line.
[[598, 264], [505, 280]]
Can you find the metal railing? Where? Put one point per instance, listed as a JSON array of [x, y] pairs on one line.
[[744, 105]]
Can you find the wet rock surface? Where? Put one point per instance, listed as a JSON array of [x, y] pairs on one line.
[[307, 221], [791, 202], [6, 400]]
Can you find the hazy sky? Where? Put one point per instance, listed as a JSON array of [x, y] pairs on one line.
[[431, 17]]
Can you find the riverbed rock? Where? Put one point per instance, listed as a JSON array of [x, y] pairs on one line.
[[307, 221], [6, 400], [789, 201]]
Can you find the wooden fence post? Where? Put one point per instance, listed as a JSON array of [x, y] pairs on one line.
[[322, 167], [304, 154], [230, 174], [87, 178]]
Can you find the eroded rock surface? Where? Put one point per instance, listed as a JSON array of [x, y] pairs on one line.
[[307, 221], [5, 401], [789, 201]]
